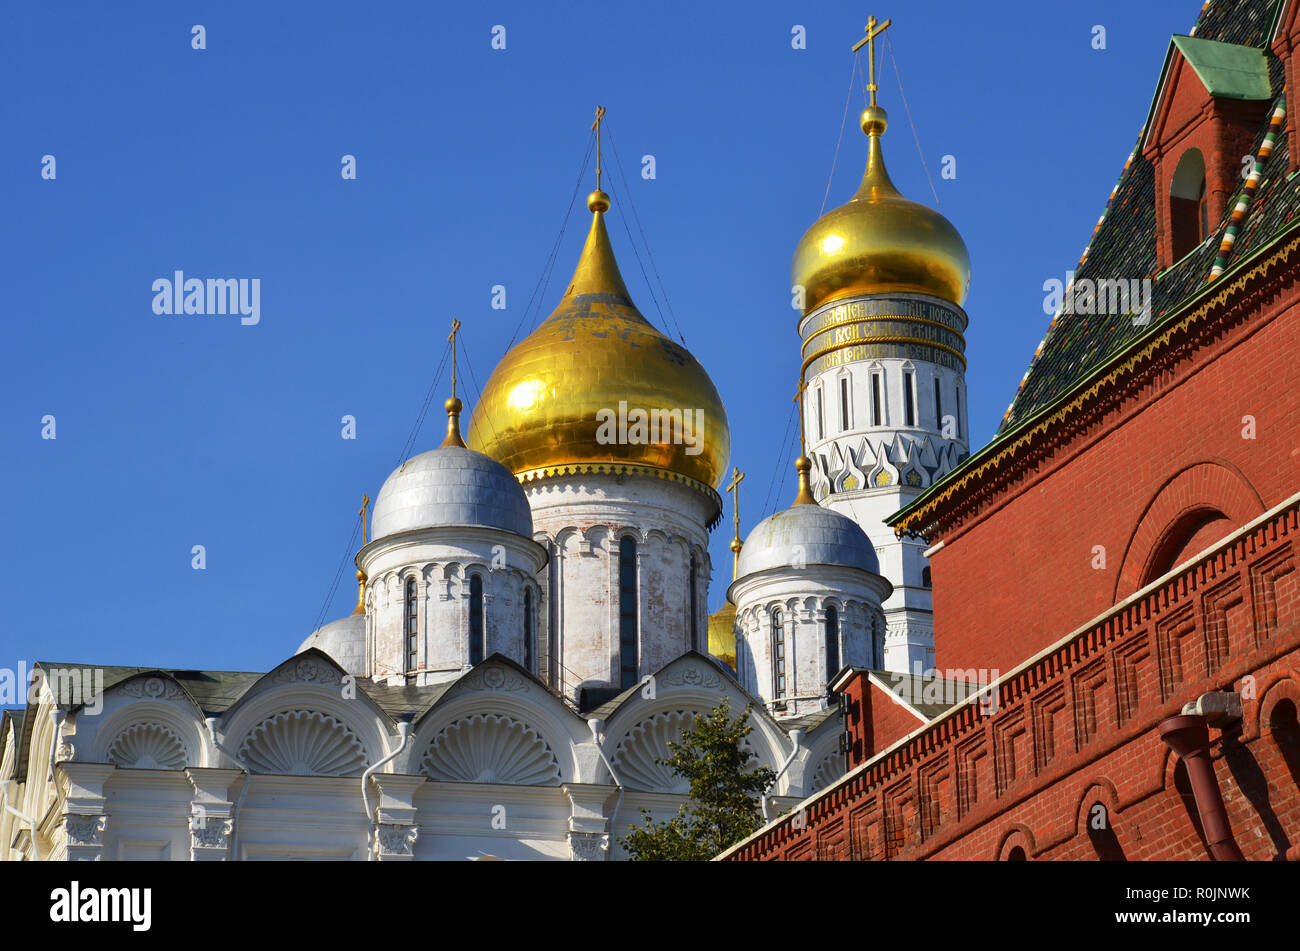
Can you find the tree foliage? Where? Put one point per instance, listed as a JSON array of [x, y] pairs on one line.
[[723, 806]]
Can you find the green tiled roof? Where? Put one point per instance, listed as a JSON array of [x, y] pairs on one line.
[[1124, 246], [1079, 346], [1226, 69], [215, 691]]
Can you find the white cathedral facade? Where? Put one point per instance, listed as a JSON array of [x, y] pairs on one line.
[[532, 629]]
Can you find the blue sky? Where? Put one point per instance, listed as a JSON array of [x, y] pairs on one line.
[[181, 431]]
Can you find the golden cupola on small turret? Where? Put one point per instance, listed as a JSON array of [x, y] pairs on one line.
[[597, 388], [879, 242]]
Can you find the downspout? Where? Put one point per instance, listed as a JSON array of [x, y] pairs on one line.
[[20, 816], [57, 716], [795, 736], [248, 777], [597, 732], [1188, 735], [404, 731]]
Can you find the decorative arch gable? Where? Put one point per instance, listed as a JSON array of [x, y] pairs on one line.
[[690, 685], [488, 748], [303, 743], [1204, 501], [504, 693], [1201, 106], [148, 745]]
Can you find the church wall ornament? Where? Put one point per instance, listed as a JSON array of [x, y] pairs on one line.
[[588, 846], [209, 833], [308, 671], [395, 842], [486, 748], [148, 746], [303, 743], [153, 688], [83, 837]]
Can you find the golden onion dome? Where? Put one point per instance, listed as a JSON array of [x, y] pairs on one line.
[[722, 634], [596, 384], [879, 242]]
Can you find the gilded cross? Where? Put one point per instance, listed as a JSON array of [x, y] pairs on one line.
[[451, 338], [798, 398], [595, 127], [874, 29], [365, 504], [733, 487]]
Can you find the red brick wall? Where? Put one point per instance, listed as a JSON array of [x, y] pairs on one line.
[[1020, 575], [1080, 727], [887, 722]]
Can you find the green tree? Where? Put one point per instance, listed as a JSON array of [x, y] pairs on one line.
[[723, 806]]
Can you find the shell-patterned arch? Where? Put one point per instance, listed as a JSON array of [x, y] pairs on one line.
[[490, 748], [636, 757], [828, 771], [303, 743], [148, 745]]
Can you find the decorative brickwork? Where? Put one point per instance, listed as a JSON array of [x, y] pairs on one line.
[[1077, 726]]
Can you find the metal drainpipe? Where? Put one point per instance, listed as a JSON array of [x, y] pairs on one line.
[[795, 736], [20, 816], [1188, 735], [57, 716], [403, 731], [597, 727], [248, 777]]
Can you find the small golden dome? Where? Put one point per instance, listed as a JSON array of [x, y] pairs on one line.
[[569, 394], [879, 242], [722, 634]]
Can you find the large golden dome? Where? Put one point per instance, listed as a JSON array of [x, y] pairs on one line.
[[548, 404], [879, 242]]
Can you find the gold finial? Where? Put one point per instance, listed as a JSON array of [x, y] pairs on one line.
[[874, 29], [361, 575], [453, 406], [803, 465], [595, 127], [361, 592], [733, 487]]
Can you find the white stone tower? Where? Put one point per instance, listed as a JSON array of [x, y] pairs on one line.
[[879, 283]]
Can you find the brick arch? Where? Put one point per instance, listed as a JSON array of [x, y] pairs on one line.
[[1017, 837], [1104, 842], [1188, 203], [1284, 688], [1197, 506], [1100, 790]]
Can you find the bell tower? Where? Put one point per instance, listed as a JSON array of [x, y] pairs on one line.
[[881, 280]]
